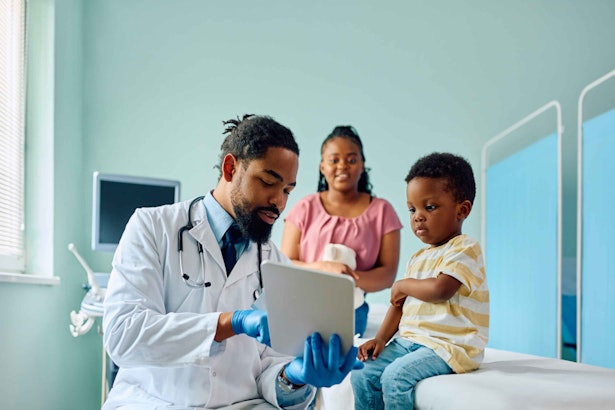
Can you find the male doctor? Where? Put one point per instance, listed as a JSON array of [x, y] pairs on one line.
[[178, 325]]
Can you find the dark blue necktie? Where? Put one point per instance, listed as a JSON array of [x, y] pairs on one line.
[[230, 238]]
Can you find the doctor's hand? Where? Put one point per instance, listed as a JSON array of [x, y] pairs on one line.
[[253, 323], [319, 366]]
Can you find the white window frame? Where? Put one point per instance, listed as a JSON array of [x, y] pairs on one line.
[[12, 135]]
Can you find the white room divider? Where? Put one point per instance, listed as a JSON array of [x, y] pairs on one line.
[[521, 236], [596, 234]]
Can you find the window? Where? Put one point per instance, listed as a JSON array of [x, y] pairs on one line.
[[12, 109]]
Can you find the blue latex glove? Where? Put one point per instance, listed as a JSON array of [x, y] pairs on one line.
[[319, 366], [253, 323]]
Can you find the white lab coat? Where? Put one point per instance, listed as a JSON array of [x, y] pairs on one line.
[[160, 332]]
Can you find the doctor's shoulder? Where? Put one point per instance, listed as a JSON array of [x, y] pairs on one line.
[[159, 219]]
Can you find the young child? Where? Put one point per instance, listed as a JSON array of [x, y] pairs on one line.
[[441, 307]]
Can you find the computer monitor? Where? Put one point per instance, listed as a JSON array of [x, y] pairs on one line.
[[115, 198]]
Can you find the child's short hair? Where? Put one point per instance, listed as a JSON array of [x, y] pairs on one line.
[[455, 169]]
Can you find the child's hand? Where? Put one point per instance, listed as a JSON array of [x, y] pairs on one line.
[[373, 347], [398, 297]]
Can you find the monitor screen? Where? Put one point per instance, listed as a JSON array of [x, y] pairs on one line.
[[115, 199]]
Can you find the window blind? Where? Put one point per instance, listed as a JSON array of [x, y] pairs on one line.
[[12, 119]]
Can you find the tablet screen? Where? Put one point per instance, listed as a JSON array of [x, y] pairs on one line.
[[301, 301]]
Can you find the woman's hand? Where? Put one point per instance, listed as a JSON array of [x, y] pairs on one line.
[[335, 267]]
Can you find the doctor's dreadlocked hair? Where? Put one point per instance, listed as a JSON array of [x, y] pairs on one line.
[[251, 136], [348, 132]]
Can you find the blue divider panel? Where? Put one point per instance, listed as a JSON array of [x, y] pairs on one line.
[[521, 249], [598, 280]]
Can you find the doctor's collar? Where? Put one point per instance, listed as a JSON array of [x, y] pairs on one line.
[[219, 220]]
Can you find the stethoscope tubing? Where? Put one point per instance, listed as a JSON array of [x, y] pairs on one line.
[[202, 283]]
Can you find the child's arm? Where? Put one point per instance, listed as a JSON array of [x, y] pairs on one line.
[[390, 324], [432, 290]]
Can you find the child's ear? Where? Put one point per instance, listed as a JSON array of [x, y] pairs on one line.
[[463, 209]]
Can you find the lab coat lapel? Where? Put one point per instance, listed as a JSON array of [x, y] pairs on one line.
[[247, 264], [202, 233]]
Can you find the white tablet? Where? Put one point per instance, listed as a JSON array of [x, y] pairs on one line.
[[302, 301]]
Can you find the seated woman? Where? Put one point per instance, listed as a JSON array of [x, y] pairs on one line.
[[344, 211]]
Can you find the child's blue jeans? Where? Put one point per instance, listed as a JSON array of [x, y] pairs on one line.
[[389, 381]]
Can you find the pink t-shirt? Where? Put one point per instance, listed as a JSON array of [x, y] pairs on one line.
[[363, 233]]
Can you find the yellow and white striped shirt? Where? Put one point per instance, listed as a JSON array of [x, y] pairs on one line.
[[458, 329]]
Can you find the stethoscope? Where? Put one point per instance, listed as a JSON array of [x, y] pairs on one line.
[[180, 248]]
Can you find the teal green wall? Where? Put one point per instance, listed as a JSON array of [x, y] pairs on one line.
[[43, 366], [140, 87]]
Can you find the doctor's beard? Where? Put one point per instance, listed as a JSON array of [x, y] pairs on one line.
[[250, 224]]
